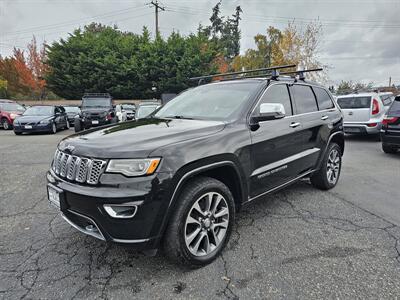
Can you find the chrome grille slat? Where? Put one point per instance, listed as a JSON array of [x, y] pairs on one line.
[[79, 169]]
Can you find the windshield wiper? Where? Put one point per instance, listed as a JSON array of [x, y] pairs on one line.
[[178, 117]]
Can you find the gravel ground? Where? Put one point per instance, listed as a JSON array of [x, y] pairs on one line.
[[298, 243]]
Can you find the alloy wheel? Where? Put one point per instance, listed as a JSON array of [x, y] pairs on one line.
[[206, 224], [333, 166], [5, 125]]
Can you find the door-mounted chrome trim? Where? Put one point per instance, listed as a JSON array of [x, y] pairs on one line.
[[280, 186], [284, 161]]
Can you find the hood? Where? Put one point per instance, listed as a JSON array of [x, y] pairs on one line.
[[32, 119], [137, 139]]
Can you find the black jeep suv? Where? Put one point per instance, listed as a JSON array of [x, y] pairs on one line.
[[176, 179], [96, 109]]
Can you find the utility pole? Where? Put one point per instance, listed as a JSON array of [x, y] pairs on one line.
[[390, 81], [156, 8]]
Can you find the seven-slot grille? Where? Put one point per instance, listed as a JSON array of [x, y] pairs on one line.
[[79, 169]]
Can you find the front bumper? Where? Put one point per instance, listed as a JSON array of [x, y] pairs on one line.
[[356, 128], [82, 206], [35, 128]]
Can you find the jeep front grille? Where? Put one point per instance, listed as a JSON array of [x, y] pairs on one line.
[[79, 169]]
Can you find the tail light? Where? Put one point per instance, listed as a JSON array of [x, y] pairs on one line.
[[372, 124], [375, 107], [389, 120], [109, 117]]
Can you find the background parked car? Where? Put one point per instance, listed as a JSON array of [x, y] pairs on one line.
[[363, 113], [390, 132], [41, 118], [145, 109], [9, 110], [97, 109], [72, 111], [130, 110]]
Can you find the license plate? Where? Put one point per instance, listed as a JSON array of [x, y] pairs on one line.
[[54, 197], [351, 129], [95, 122], [28, 127]]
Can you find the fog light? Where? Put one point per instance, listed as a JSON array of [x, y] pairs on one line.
[[120, 211]]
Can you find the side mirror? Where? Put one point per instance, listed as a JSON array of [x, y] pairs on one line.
[[270, 111]]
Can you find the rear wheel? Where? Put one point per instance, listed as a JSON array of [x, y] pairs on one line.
[[388, 148], [328, 175], [202, 223], [5, 124]]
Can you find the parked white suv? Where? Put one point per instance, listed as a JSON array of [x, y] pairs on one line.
[[363, 112]]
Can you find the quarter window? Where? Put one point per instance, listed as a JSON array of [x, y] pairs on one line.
[[323, 98], [277, 93], [304, 98]]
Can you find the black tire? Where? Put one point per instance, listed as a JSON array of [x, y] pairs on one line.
[[53, 129], [17, 133], [388, 148], [321, 178], [77, 125], [5, 124], [174, 245]]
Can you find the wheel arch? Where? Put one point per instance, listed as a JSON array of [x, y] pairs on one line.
[[225, 171], [336, 137]]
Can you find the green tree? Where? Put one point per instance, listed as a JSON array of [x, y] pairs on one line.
[[104, 59]]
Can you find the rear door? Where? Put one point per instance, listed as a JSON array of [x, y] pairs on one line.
[[356, 109], [311, 121]]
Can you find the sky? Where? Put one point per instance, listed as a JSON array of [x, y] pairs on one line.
[[360, 39]]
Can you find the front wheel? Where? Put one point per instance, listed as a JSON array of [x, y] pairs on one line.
[[202, 223], [328, 175], [53, 128], [77, 125], [5, 124]]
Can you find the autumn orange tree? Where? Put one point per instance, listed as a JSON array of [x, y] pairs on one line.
[[292, 45], [23, 73]]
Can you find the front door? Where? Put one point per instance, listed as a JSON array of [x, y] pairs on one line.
[[275, 144]]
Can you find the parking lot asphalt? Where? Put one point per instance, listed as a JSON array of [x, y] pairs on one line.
[[297, 243]]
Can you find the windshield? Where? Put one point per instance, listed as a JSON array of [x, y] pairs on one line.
[[71, 109], [128, 107], [96, 102], [39, 111], [209, 102], [11, 107], [354, 102], [145, 111]]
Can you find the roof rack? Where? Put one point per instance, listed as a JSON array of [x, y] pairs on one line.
[[273, 74], [301, 73], [96, 95]]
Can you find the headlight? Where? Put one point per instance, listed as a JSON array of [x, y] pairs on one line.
[[44, 122], [13, 116], [133, 167]]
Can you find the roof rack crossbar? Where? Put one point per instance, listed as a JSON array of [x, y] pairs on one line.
[[301, 72], [201, 78]]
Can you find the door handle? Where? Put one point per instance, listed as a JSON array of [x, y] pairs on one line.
[[324, 118], [294, 124]]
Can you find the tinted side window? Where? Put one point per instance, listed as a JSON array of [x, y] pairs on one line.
[[304, 98], [277, 94], [323, 99]]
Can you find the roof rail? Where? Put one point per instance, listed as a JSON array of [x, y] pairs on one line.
[[301, 73], [274, 73], [96, 95]]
